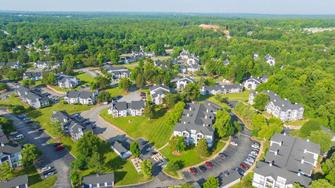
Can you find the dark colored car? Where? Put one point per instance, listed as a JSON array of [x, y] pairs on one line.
[[60, 148], [203, 168], [240, 171], [193, 171], [244, 166], [209, 164]]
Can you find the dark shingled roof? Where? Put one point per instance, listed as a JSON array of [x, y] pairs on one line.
[[96, 178], [17, 181]]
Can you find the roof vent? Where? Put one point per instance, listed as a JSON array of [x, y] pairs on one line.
[[184, 122], [307, 140], [270, 163], [188, 115]]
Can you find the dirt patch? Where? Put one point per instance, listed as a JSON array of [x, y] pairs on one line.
[[210, 27]]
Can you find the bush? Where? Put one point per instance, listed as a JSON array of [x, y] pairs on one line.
[[18, 109], [3, 86], [309, 126], [175, 165]]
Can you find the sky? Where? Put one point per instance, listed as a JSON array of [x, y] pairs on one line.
[[306, 7]]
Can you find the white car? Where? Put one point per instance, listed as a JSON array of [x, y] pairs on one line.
[[18, 137], [233, 143]]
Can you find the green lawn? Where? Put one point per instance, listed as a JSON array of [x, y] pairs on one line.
[[34, 179], [43, 117], [244, 96], [124, 170], [153, 130], [85, 77], [191, 157], [116, 92], [10, 101], [46, 183]]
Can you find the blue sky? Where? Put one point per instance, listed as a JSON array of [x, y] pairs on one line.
[[203, 6]]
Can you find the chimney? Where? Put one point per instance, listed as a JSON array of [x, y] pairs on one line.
[[190, 108], [206, 116], [188, 115], [307, 140], [184, 122]]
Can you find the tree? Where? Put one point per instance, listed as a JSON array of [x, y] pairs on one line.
[[191, 92], [75, 178], [323, 138], [202, 148], [18, 109], [260, 101], [124, 84], [87, 145], [104, 96], [6, 125], [3, 86], [140, 82], [101, 82], [171, 99], [321, 183], [175, 165], [223, 124], [49, 78], [147, 168], [135, 149], [211, 182], [114, 56], [149, 111], [29, 154], [309, 126], [96, 162], [177, 143], [6, 171], [28, 82]]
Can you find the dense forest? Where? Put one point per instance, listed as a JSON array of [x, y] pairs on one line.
[[304, 70]]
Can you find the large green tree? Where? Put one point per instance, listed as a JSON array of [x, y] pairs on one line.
[[29, 154]]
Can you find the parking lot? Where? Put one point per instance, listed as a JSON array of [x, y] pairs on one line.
[[227, 160]]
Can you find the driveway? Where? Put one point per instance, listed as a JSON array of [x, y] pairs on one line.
[[60, 160], [103, 128], [89, 70]]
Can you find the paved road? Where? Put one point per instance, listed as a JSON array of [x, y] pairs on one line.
[[60, 160], [89, 70], [103, 129]]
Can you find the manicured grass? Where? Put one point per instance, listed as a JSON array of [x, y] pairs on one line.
[[154, 130], [244, 96], [57, 88], [43, 117], [124, 170], [297, 123], [116, 92], [12, 101], [46, 183], [191, 157], [85, 77], [218, 102]]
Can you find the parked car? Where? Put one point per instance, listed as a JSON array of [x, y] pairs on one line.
[[203, 168], [240, 171], [48, 173], [209, 164], [46, 168], [13, 133], [60, 148], [244, 166], [222, 155], [18, 137], [193, 171], [233, 143], [255, 145]]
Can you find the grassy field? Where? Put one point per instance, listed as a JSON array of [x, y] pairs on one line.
[[11, 101], [116, 92], [153, 130], [86, 78], [43, 117], [46, 183], [244, 96], [124, 170], [191, 157]]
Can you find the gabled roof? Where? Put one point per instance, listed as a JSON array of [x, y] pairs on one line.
[[283, 104], [159, 87], [10, 149], [96, 178], [80, 94], [117, 145], [15, 182], [136, 105], [186, 78]]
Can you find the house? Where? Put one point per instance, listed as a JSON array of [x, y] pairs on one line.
[[10, 153], [252, 82], [11, 65], [226, 62], [289, 160], [65, 81], [70, 125], [121, 148], [34, 76], [182, 82], [221, 89], [41, 65], [33, 99], [80, 97], [270, 60], [99, 180], [123, 109], [229, 178], [189, 63], [116, 72], [282, 109], [158, 93], [255, 56], [17, 182], [197, 123]]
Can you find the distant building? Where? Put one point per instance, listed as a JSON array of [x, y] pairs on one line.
[[67, 82], [181, 83], [11, 65], [96, 180], [17, 182], [75, 128], [221, 89], [33, 99], [189, 62], [9, 152], [282, 109], [270, 60], [34, 76], [158, 93], [123, 109], [80, 97], [42, 65], [116, 72], [253, 82], [197, 123], [289, 160]]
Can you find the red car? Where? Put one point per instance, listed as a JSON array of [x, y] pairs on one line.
[[244, 166], [209, 164], [193, 171], [59, 148]]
